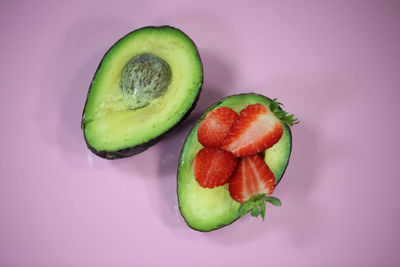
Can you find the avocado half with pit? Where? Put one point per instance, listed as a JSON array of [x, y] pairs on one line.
[[207, 209], [146, 83]]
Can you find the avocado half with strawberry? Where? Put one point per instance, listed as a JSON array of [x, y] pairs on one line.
[[232, 160]]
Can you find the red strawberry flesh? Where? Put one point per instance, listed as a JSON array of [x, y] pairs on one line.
[[255, 130], [252, 177], [213, 129], [213, 167]]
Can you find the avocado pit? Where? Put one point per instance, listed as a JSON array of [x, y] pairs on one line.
[[144, 78]]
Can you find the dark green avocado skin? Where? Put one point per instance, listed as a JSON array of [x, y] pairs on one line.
[[131, 151]]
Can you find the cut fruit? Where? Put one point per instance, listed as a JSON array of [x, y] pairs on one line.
[[252, 177], [256, 130], [146, 84], [213, 167], [207, 209], [251, 185], [215, 126]]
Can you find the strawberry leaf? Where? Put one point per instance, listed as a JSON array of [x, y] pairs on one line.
[[274, 201], [244, 209], [274, 106], [257, 205], [262, 208], [255, 211]]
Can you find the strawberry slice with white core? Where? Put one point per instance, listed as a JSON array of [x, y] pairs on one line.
[[252, 177], [213, 167], [252, 184], [256, 130], [215, 126]]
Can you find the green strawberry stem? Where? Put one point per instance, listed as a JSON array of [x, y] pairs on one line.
[[256, 205], [274, 106]]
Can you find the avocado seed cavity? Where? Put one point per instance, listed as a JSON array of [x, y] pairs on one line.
[[144, 78]]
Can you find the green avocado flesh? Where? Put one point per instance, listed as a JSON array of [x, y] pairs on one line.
[[208, 209], [146, 83]]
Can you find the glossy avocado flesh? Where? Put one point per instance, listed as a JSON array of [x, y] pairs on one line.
[[208, 209], [146, 83]]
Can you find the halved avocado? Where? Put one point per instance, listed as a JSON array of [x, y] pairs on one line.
[[208, 209], [146, 84]]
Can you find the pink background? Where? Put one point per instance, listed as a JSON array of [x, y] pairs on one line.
[[335, 64]]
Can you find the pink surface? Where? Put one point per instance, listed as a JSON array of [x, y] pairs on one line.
[[336, 65]]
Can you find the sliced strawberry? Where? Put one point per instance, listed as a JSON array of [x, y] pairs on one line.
[[256, 129], [213, 166], [252, 177], [213, 129], [251, 184]]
